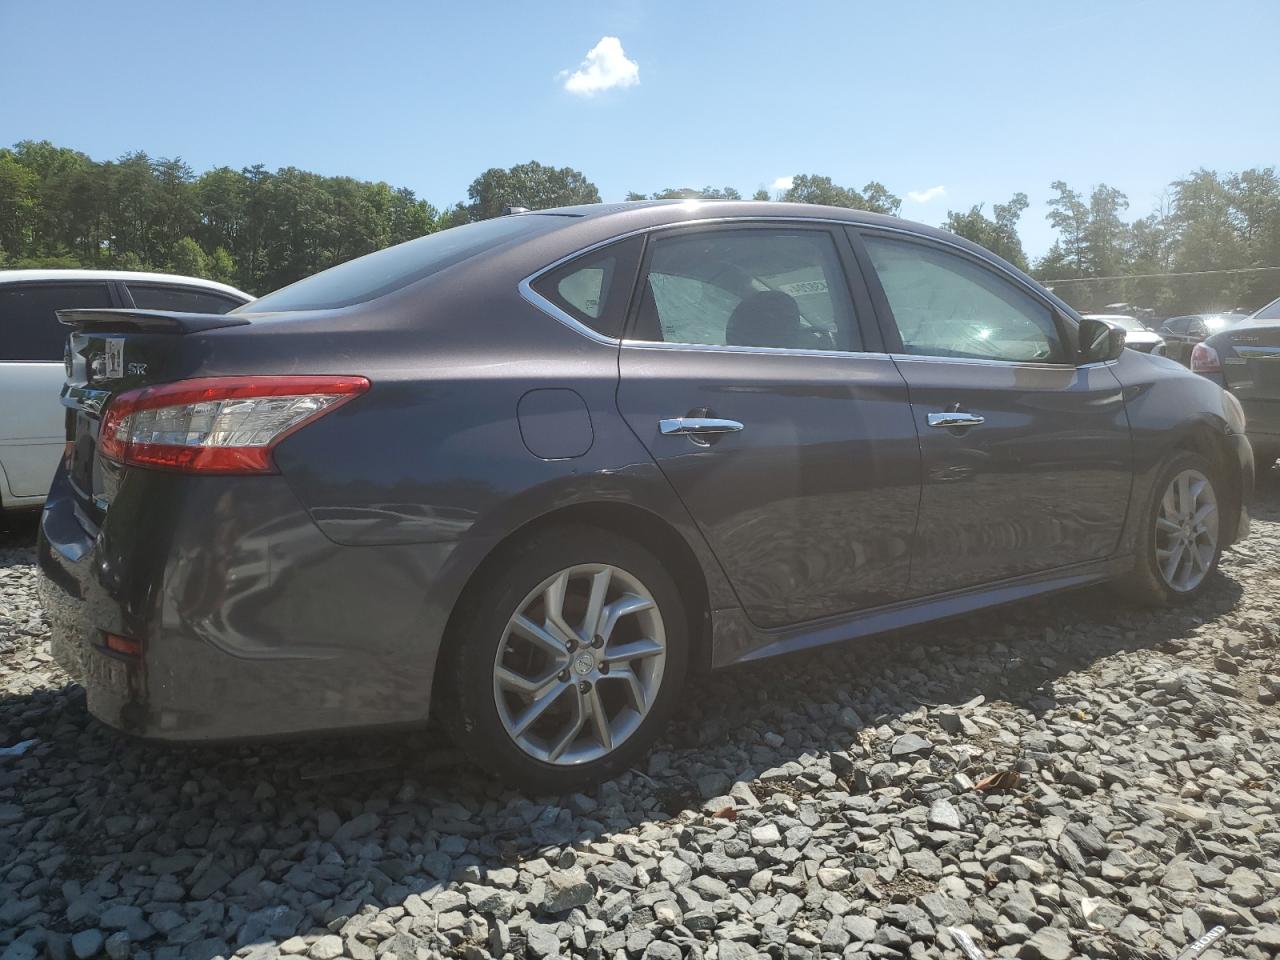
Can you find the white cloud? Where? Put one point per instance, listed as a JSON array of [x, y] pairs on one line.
[[782, 183], [605, 67], [924, 196]]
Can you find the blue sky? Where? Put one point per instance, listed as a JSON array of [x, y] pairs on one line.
[[980, 99]]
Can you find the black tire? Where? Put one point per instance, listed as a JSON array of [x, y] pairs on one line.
[[1145, 584], [464, 689]]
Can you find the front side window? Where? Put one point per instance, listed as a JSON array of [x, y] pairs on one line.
[[29, 327], [947, 306], [182, 299], [781, 288], [1178, 325]]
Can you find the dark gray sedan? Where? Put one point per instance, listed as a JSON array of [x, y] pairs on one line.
[[1245, 358], [529, 473]]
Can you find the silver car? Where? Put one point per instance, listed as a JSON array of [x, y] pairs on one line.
[[32, 420]]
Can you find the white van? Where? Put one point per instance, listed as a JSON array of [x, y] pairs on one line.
[[32, 347]]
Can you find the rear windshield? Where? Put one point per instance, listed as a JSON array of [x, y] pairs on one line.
[[377, 274], [1270, 312]]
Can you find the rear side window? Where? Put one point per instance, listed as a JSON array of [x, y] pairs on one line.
[[1178, 324], [753, 287], [594, 288], [947, 306], [377, 274], [29, 327], [184, 299], [1270, 312]]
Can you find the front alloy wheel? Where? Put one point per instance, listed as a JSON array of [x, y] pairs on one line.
[[1179, 541], [579, 664], [1186, 531]]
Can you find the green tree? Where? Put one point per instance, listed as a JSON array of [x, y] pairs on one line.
[[689, 193], [188, 259], [999, 235], [531, 185], [813, 188], [19, 206], [761, 194], [220, 266]]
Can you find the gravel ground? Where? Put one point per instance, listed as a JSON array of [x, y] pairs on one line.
[[1065, 778]]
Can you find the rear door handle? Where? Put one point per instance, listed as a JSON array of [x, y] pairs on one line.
[[697, 426], [955, 418]]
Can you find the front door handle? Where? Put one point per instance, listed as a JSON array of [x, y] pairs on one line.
[[955, 418], [701, 430]]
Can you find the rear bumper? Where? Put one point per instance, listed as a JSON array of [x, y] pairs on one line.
[[252, 622]]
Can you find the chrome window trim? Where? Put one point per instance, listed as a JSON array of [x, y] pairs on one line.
[[732, 348], [540, 302], [986, 361]]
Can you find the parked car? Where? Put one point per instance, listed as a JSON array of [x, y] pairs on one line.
[[1181, 334], [1137, 335], [32, 344], [1245, 359], [530, 472]]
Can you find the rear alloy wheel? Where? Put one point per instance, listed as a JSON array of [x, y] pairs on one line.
[[1179, 542], [567, 661], [580, 664]]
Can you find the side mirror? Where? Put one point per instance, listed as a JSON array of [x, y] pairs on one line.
[[1100, 340]]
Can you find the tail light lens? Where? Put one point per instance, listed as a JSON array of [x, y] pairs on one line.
[[1204, 359], [217, 424]]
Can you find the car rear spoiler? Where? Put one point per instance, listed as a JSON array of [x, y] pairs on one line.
[[146, 321]]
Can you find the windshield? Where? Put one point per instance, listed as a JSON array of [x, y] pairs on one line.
[[1129, 323], [377, 274]]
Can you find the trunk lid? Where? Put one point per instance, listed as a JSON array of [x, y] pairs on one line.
[[1253, 374], [109, 352]]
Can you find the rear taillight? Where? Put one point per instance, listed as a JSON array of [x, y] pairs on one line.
[[217, 424], [1204, 359]]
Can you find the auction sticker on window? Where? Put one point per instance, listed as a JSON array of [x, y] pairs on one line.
[[114, 358], [804, 287]]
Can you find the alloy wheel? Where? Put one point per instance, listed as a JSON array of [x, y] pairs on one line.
[[580, 664], [1186, 531]]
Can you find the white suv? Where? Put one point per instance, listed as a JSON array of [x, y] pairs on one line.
[[32, 345]]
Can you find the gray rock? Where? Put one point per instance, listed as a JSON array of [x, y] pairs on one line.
[[567, 889], [736, 950], [328, 947], [87, 943], [944, 816], [118, 945], [911, 744], [1048, 943], [120, 917]]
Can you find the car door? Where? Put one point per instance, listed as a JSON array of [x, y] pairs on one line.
[[1026, 454], [748, 374], [32, 344]]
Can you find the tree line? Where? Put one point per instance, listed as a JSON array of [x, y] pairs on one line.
[[1205, 248]]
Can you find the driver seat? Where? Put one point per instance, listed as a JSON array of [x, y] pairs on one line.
[[767, 318]]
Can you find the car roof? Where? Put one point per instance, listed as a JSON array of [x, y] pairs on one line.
[[661, 212], [137, 276], [605, 220]]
